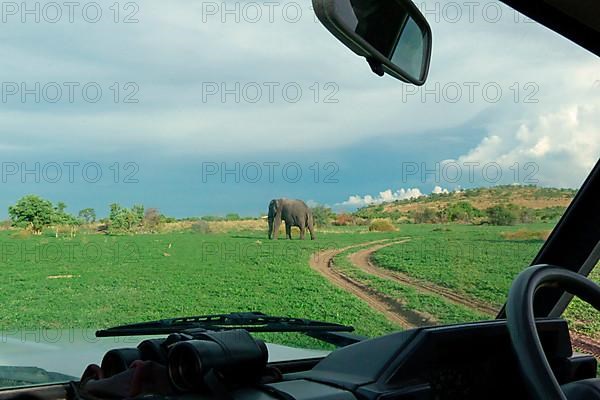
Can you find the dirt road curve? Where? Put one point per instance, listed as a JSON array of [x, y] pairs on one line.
[[394, 309], [362, 260], [586, 344]]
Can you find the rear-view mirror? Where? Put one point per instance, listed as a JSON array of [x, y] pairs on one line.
[[392, 35]]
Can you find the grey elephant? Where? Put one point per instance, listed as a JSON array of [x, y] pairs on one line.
[[294, 213]]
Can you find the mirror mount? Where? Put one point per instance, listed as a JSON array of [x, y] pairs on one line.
[[376, 66], [393, 35]]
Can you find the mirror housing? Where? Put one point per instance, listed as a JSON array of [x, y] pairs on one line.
[[393, 35]]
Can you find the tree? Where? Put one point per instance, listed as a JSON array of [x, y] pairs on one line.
[[88, 215], [461, 211], [117, 217], [61, 218], [32, 211], [124, 219], [322, 215], [138, 213]]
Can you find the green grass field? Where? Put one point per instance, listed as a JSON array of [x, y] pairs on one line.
[[433, 306], [474, 260], [477, 261], [94, 281]]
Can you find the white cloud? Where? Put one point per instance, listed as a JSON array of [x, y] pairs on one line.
[[556, 148], [171, 52], [387, 196]]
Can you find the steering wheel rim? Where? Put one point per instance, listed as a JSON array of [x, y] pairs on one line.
[[522, 328]]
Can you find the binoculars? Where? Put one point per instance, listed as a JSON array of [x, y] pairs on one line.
[[234, 356]]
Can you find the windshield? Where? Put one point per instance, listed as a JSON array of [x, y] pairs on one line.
[[156, 156]]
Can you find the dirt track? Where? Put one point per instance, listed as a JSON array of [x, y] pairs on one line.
[[394, 309], [362, 260]]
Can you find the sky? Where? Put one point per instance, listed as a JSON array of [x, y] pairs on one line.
[[207, 108]]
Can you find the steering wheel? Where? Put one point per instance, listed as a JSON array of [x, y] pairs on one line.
[[525, 339]]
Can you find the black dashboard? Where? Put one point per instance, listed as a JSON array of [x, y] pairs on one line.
[[467, 361]]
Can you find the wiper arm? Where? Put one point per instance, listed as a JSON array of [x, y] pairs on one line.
[[250, 321]]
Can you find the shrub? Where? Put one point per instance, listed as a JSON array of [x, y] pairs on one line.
[[526, 215], [322, 216], [362, 221], [549, 214], [343, 220], [201, 227], [211, 218], [425, 216], [152, 219], [125, 220], [381, 225], [232, 217], [461, 211], [501, 215]]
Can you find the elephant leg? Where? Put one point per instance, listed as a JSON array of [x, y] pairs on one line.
[[302, 230], [276, 225], [311, 230], [288, 230]]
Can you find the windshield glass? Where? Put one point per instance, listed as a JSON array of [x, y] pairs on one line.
[[153, 151]]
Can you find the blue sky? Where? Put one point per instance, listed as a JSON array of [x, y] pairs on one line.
[[201, 85]]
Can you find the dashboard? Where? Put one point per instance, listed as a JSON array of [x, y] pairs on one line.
[[466, 361]]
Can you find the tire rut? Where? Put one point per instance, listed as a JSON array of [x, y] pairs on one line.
[[362, 260], [393, 309]]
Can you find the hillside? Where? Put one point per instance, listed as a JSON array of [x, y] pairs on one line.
[[529, 203]]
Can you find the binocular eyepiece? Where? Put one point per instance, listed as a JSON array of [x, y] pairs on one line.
[[234, 356]]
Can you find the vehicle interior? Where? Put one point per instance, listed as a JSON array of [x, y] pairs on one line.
[[527, 352]]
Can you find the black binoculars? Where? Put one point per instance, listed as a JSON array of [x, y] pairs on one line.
[[232, 356]]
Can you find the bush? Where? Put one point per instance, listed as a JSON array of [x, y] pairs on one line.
[[501, 215], [461, 211], [124, 219], [343, 220], [322, 216], [152, 219], [201, 227], [232, 217], [549, 214], [425, 216], [211, 218], [381, 225]]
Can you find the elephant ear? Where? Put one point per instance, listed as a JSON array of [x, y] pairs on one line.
[[273, 206]]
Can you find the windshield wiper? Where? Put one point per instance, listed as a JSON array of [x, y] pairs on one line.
[[250, 321]]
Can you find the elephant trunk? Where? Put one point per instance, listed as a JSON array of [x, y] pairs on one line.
[[270, 228]]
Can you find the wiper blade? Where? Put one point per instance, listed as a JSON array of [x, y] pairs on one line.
[[250, 321]]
